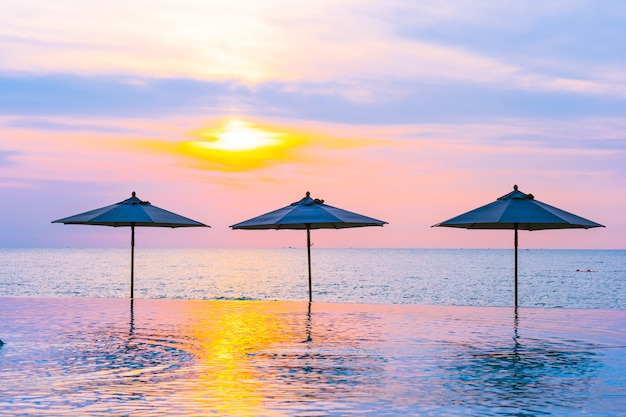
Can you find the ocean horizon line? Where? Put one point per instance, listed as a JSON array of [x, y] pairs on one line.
[[304, 247]]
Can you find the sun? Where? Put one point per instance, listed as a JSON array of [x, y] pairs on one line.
[[237, 136], [237, 145]]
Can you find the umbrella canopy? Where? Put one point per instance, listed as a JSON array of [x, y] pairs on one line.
[[130, 213], [518, 211], [307, 214]]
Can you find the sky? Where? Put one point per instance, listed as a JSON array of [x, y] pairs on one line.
[[220, 110]]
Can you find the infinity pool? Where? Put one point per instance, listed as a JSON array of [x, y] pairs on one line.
[[264, 358]]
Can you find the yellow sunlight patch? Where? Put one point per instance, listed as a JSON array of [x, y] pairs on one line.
[[240, 146], [237, 136]]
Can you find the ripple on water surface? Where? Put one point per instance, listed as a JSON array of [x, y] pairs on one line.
[[181, 357]]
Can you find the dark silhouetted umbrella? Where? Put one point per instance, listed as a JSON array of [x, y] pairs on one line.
[[518, 211], [131, 213], [307, 214]]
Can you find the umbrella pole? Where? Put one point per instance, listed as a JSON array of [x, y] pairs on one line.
[[308, 250], [516, 266], [132, 260]]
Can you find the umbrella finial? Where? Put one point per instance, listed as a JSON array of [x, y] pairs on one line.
[[308, 194], [515, 187], [134, 194]]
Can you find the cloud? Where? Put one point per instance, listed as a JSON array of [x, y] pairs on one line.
[[65, 126], [104, 149], [125, 149], [124, 96], [355, 49], [6, 158], [40, 99]]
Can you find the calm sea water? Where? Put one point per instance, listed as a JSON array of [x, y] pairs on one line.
[[589, 279], [391, 333]]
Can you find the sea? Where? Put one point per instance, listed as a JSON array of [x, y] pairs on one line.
[[390, 332], [588, 279]]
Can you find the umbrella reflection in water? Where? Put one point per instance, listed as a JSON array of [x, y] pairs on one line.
[[515, 375]]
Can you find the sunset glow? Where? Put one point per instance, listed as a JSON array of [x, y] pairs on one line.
[[223, 110], [237, 136], [236, 146]]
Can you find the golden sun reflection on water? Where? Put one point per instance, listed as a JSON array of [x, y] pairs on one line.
[[227, 339]]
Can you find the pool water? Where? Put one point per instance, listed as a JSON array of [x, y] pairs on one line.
[[156, 357]]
